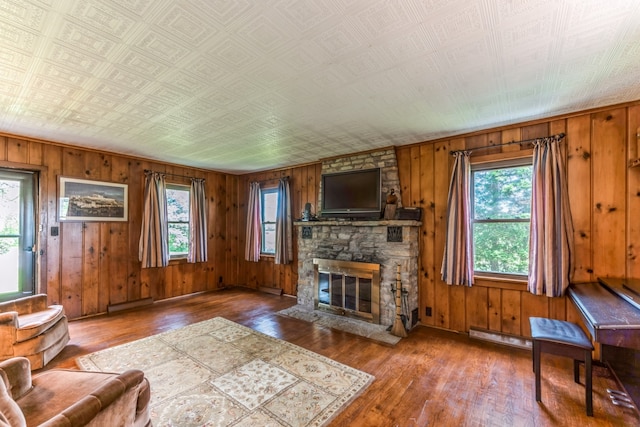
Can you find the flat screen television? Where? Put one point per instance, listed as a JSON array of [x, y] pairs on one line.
[[352, 194]]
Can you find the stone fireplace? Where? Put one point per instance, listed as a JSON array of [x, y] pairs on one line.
[[383, 244]]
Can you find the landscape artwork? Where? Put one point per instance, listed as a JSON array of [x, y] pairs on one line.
[[86, 200]]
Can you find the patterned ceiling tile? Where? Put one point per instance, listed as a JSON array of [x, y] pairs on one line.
[[23, 13], [254, 85], [188, 25], [100, 16]]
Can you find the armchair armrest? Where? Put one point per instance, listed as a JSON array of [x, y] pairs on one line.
[[96, 406], [9, 318], [18, 373], [8, 327]]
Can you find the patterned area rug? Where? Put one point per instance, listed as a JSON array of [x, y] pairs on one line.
[[220, 373], [357, 327]]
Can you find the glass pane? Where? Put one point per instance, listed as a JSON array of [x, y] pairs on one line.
[[178, 238], [9, 264], [269, 206], [364, 298], [9, 207], [501, 247], [350, 292], [269, 238], [502, 193], [336, 290], [178, 204], [323, 288]]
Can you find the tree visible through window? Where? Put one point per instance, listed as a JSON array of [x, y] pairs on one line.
[[178, 219], [269, 212], [501, 209]]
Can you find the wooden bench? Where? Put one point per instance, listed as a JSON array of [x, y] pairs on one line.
[[562, 339]]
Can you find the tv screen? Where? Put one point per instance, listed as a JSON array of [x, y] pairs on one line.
[[352, 194]]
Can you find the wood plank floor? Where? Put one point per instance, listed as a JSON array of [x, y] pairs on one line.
[[431, 378]]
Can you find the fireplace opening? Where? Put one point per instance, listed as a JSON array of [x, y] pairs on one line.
[[348, 288]]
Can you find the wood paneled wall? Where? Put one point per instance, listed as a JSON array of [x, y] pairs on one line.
[[91, 265], [605, 204]]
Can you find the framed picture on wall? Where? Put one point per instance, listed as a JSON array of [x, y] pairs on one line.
[[86, 200]]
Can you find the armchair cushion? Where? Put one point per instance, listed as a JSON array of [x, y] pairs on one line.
[[31, 325]]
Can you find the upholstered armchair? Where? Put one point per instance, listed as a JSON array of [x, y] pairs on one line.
[[71, 398], [31, 328]]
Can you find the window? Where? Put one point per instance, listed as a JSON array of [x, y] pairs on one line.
[[269, 206], [178, 219], [500, 217]]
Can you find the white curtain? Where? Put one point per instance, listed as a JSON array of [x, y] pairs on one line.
[[551, 236], [153, 248], [284, 224], [457, 263], [197, 222], [254, 224]]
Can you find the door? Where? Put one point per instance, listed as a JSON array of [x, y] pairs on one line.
[[17, 233]]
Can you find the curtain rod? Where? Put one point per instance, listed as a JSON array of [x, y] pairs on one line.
[[272, 179], [525, 141], [146, 171]]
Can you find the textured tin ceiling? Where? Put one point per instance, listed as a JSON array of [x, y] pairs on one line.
[[250, 85]]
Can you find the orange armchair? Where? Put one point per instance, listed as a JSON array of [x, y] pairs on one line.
[[31, 328]]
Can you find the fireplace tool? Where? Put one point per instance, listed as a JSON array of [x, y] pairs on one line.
[[398, 328]]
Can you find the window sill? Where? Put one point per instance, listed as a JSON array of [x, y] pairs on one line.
[[500, 282]]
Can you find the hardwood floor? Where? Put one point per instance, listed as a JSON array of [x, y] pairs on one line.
[[431, 378]]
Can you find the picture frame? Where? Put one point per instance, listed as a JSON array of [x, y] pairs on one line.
[[89, 200]]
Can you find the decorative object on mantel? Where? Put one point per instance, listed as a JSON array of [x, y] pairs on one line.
[[413, 213], [306, 213], [218, 372], [390, 207], [398, 328]]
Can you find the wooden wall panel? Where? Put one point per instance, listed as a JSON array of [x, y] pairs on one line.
[[579, 173], [608, 191], [427, 278], [633, 194], [442, 173]]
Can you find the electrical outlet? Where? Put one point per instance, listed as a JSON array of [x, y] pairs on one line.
[[427, 311], [54, 231]]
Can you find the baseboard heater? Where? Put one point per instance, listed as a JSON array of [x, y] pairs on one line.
[[496, 337], [130, 304]]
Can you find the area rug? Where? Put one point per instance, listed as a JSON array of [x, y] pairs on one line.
[[357, 327], [220, 373]]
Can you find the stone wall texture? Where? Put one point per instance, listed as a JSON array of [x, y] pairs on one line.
[[362, 241]]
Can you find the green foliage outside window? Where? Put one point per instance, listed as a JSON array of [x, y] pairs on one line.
[[9, 209], [178, 216], [501, 212]]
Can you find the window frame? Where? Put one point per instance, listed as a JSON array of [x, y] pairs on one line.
[[187, 189], [263, 192], [491, 162]]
